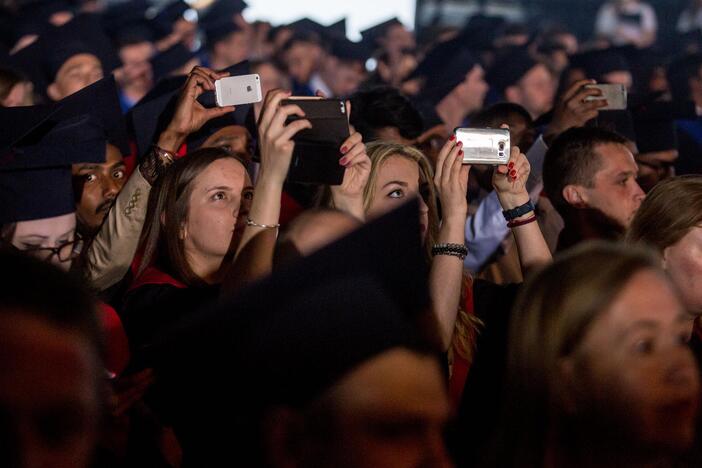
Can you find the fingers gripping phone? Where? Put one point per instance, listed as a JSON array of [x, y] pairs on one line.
[[238, 90], [614, 94], [484, 145]]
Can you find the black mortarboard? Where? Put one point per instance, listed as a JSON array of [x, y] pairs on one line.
[[223, 9], [480, 32], [372, 34], [509, 68], [346, 50], [170, 59], [445, 67], [217, 31], [83, 34], [306, 25], [294, 335], [166, 17], [40, 11], [597, 63], [336, 30], [35, 167], [101, 100], [655, 127], [150, 116], [127, 23]]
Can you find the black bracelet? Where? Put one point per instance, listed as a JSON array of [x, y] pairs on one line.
[[453, 250], [518, 211]]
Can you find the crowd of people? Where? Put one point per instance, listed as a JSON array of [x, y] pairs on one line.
[[171, 297]]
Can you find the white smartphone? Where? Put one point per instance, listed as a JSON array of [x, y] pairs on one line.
[[238, 90], [484, 145], [614, 94]]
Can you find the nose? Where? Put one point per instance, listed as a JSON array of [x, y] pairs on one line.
[[423, 208], [110, 188], [682, 371], [639, 194]]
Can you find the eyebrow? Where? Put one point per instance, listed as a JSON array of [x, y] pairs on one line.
[[219, 187], [118, 164], [397, 182], [249, 187], [640, 324]]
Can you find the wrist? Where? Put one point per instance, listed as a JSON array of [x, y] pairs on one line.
[[171, 140], [510, 201]]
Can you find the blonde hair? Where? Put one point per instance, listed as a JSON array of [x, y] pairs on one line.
[[379, 152]]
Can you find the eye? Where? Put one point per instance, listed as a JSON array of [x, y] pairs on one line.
[[118, 174], [89, 178], [397, 193], [248, 195], [26, 246], [219, 196], [644, 346]]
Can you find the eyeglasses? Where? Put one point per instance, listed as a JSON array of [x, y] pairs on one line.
[[64, 252]]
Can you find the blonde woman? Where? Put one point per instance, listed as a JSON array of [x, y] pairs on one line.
[[399, 173]]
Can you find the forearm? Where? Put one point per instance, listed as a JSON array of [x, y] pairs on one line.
[[352, 206], [111, 252], [445, 280], [531, 245], [265, 209]]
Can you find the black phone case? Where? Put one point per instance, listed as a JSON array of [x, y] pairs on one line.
[[317, 150]]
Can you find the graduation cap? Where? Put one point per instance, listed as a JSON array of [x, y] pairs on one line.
[[336, 30], [223, 9], [127, 23], [167, 16], [349, 51], [150, 116], [170, 59], [480, 32], [35, 166], [289, 338], [444, 67], [655, 127], [374, 33], [509, 68], [83, 34], [307, 25], [220, 30], [101, 100]]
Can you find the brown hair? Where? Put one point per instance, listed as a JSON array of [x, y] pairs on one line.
[[573, 159], [161, 240], [668, 212], [552, 315]]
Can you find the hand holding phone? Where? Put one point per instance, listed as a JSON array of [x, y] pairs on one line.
[[238, 90]]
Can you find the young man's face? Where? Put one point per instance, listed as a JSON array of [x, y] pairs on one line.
[[302, 60], [101, 183], [614, 190], [137, 68], [389, 412], [535, 91], [76, 73]]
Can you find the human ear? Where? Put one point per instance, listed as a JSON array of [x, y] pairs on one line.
[[53, 92], [573, 194]]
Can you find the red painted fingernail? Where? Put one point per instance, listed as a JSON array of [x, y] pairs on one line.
[[453, 137], [511, 165], [344, 150], [460, 153], [459, 144], [342, 161], [513, 173]]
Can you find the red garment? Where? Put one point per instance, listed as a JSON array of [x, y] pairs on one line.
[[153, 275], [461, 366], [289, 209], [117, 345]]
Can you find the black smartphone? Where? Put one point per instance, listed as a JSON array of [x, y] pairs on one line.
[[317, 151]]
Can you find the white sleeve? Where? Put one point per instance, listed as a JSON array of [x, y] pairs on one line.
[[650, 22], [606, 22]]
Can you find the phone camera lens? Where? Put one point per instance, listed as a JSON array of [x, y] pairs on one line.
[[502, 146]]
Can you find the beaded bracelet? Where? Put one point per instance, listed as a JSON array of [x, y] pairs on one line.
[[514, 224], [453, 250], [251, 222]]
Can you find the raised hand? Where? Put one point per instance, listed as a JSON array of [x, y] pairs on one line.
[[572, 109], [509, 180], [190, 115], [451, 181]]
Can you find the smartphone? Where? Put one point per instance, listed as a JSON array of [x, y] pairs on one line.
[[238, 90], [614, 94], [318, 149], [484, 145]]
